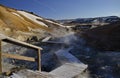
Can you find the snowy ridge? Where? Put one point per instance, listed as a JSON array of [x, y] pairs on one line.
[[32, 17]]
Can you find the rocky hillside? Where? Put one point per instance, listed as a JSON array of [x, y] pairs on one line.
[[104, 37], [23, 25]]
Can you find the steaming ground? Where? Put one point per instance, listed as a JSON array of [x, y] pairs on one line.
[[101, 64]]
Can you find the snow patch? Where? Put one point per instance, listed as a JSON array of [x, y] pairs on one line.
[[17, 15], [54, 23], [46, 39], [49, 21], [32, 17]]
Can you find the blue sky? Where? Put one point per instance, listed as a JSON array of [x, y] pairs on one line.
[[67, 9]]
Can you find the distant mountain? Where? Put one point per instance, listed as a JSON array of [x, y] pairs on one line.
[[97, 20], [22, 25]]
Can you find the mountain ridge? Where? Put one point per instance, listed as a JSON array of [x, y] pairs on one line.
[[105, 19]]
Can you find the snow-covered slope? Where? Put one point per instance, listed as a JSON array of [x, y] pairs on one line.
[[32, 17]]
